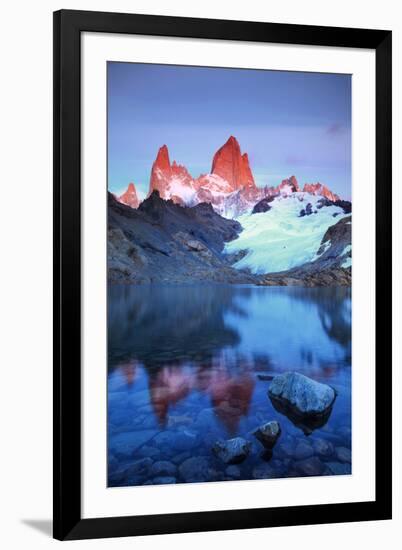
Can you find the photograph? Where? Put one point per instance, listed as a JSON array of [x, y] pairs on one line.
[[229, 267]]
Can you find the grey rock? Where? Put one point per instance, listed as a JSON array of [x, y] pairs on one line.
[[196, 469], [263, 471], [286, 449], [139, 467], [323, 448], [125, 444], [307, 396], [338, 468], [309, 467], [181, 457], [343, 454], [181, 440], [163, 468], [163, 480], [185, 440], [232, 451], [233, 471], [303, 450], [268, 433], [148, 450]]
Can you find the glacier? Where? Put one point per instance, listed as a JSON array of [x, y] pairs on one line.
[[280, 239]]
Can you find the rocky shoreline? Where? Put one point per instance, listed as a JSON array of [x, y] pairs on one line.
[[166, 457]]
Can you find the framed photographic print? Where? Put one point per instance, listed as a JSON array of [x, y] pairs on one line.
[[222, 274]]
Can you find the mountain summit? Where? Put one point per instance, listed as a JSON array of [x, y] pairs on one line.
[[230, 186], [130, 197], [172, 181], [232, 166]]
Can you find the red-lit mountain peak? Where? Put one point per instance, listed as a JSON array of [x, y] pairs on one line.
[[129, 197], [232, 166]]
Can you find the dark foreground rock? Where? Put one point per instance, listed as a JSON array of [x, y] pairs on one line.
[[304, 401], [232, 451], [268, 434]]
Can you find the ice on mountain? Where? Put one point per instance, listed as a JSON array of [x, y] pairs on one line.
[[279, 239]]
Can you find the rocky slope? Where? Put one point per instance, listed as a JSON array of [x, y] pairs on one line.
[[164, 242]]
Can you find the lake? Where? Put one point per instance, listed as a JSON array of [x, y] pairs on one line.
[[190, 365]]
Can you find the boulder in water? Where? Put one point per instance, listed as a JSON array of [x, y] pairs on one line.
[[268, 433], [232, 451], [307, 396]]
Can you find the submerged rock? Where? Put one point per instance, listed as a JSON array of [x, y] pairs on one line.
[[303, 450], [163, 480], [232, 451], [343, 454], [323, 448], [181, 457], [339, 469], [268, 434], [196, 469], [264, 471], [233, 471], [163, 468], [136, 472], [149, 451], [309, 467]]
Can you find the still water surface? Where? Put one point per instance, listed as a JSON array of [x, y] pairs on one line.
[[189, 365]]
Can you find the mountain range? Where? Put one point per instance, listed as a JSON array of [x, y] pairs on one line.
[[230, 186], [221, 227]]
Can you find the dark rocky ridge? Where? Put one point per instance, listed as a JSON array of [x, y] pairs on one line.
[[263, 205], [164, 242], [345, 205]]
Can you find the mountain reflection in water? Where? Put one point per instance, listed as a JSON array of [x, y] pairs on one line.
[[175, 352]]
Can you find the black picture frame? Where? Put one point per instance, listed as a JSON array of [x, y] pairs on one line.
[[68, 26]]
